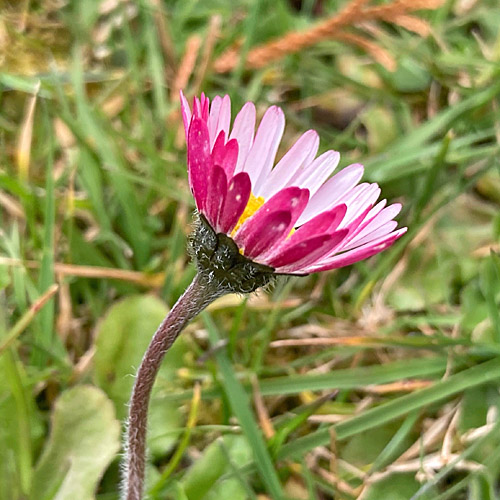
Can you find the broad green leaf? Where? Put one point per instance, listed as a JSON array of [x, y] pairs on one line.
[[410, 76], [474, 408], [397, 486], [380, 126], [229, 489], [206, 471], [364, 447], [84, 439]]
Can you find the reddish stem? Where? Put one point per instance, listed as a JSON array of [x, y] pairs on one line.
[[199, 294]]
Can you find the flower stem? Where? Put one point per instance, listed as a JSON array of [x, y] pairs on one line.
[[198, 295]]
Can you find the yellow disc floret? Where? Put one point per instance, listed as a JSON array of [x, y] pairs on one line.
[[254, 203]]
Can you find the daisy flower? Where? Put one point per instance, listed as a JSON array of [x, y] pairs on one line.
[[292, 216], [257, 220]]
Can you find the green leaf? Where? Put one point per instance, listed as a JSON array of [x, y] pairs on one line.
[[410, 146], [380, 126], [207, 470], [4, 277], [122, 338], [229, 489], [480, 374], [85, 437], [44, 335], [410, 76], [491, 290], [364, 447], [395, 486], [19, 426], [347, 378], [398, 443]]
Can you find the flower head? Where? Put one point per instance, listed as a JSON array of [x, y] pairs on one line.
[[288, 218]]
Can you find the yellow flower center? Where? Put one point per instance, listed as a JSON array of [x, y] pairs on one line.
[[254, 203]]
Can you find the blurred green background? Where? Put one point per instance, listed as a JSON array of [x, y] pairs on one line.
[[400, 401]]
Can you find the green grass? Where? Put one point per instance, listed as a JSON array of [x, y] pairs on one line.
[[107, 187]]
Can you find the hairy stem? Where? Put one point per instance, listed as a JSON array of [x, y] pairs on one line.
[[199, 294]]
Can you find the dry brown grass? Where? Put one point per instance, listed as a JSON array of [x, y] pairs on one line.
[[338, 27]]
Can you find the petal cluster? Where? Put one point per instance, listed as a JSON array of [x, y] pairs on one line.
[[293, 216]]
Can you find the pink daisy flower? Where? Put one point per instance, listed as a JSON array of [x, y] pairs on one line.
[[291, 216]]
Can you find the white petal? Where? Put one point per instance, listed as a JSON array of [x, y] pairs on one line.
[[378, 220], [332, 192], [315, 174], [219, 118], [299, 155], [263, 151], [243, 131]]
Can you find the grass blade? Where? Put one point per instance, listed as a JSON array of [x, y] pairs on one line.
[[480, 374], [240, 405]]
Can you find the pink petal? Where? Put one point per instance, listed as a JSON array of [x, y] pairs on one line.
[[238, 194], [372, 214], [386, 228], [377, 209], [216, 195], [225, 155], [273, 226], [218, 148], [219, 118], [374, 222], [300, 154], [225, 115], [292, 200], [354, 225], [261, 156], [205, 106], [231, 157], [306, 252], [323, 223], [213, 118], [196, 107], [315, 174], [351, 229], [201, 106], [186, 113], [358, 200], [332, 192], [363, 252], [243, 131], [199, 160]]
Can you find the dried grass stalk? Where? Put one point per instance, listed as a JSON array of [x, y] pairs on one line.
[[378, 53], [208, 49], [352, 14], [166, 42], [411, 23], [186, 66]]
